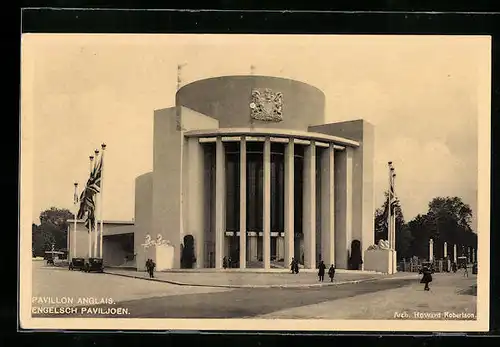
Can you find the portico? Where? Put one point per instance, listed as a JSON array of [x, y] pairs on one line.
[[273, 191]]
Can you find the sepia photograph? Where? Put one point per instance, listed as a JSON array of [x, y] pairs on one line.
[[255, 182]]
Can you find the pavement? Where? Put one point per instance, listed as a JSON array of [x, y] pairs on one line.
[[451, 296], [233, 279], [59, 282], [399, 296]]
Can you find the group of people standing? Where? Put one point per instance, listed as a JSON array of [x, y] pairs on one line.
[[294, 268]]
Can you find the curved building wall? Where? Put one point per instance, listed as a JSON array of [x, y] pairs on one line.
[[227, 99]]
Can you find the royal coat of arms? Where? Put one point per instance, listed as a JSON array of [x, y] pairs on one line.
[[266, 105]]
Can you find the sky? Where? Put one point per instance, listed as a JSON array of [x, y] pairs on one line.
[[421, 93]]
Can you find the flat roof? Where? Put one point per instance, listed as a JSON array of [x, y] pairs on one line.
[[105, 221], [306, 135]]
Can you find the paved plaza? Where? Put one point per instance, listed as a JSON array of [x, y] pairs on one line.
[[365, 296], [58, 282], [234, 279]]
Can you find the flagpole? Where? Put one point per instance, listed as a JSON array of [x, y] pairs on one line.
[[389, 208], [90, 224], [96, 152], [394, 213], [103, 147], [75, 201]]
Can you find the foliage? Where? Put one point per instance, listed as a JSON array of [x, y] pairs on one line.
[[403, 234], [51, 231], [448, 220]]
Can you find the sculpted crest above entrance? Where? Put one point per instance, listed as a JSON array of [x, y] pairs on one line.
[[266, 105]]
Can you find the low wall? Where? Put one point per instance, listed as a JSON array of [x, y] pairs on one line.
[[163, 256], [380, 260]]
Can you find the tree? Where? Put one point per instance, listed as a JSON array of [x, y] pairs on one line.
[[403, 234], [447, 220], [420, 232], [51, 231]]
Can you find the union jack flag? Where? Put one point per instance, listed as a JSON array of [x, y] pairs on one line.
[[94, 181], [87, 203], [392, 197]]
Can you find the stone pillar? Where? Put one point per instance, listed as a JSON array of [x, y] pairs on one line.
[[252, 248], [431, 250], [473, 255], [266, 241], [243, 202], [220, 198], [455, 253], [280, 248], [194, 225], [289, 201], [309, 206], [445, 250], [328, 206], [343, 206]]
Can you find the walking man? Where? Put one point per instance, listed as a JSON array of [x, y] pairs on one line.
[[321, 271]]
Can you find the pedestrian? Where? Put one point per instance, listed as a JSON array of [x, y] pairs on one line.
[[466, 270], [426, 278], [296, 266], [331, 272], [454, 267], [292, 265], [152, 266], [321, 271], [224, 263], [148, 264]]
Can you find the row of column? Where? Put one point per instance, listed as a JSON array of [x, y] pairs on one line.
[[445, 251], [309, 203]]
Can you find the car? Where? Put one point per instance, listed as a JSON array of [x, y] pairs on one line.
[[94, 265], [77, 263]]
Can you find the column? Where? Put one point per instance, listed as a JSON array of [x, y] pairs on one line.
[[252, 248], [289, 201], [309, 207], [280, 248], [343, 206], [431, 250], [266, 242], [455, 253], [328, 206], [220, 205], [445, 250], [243, 203], [194, 223]]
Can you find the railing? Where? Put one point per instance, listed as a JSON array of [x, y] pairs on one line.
[[414, 265]]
